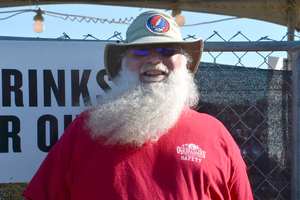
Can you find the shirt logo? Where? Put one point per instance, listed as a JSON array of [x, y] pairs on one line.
[[191, 152], [158, 24]]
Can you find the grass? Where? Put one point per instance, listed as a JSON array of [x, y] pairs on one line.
[[11, 191]]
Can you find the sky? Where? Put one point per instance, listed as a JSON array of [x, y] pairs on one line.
[[22, 25]]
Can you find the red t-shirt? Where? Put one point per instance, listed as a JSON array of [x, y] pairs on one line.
[[196, 159]]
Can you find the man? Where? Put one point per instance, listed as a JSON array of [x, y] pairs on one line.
[[143, 141]]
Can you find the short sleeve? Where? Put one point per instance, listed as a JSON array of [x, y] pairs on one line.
[[238, 183], [51, 181]]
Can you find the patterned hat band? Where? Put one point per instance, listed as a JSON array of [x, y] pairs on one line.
[[152, 28]]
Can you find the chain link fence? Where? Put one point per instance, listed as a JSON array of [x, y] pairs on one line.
[[255, 105], [251, 93], [252, 96]]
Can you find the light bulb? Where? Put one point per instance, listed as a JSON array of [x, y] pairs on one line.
[[179, 19], [38, 25]]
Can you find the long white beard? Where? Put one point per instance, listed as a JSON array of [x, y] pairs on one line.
[[136, 112]]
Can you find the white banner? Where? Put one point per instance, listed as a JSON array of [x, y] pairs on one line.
[[44, 84]]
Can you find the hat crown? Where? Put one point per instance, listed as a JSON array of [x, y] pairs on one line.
[[153, 26]]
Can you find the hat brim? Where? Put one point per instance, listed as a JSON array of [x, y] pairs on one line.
[[113, 53]]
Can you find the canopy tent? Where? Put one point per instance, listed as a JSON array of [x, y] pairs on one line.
[[284, 12]]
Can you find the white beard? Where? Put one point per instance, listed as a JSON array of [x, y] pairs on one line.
[[135, 112]]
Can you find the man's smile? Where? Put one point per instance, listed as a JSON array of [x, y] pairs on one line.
[[153, 75]]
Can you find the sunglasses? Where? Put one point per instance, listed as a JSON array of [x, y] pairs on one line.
[[162, 51]]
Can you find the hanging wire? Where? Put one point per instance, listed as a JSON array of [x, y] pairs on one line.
[[15, 13], [88, 19], [71, 17], [212, 22], [10, 16]]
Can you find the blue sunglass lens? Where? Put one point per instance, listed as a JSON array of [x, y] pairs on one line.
[[140, 52], [165, 52]]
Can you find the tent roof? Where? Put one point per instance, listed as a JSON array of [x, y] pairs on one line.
[[284, 12]]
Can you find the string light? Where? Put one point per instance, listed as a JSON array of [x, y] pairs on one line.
[[180, 19], [176, 13], [88, 19], [65, 16], [38, 25]]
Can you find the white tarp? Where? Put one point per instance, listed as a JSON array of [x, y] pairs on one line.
[[43, 85]]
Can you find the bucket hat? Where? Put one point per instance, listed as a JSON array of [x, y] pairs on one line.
[[150, 29]]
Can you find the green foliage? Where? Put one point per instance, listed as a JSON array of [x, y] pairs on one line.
[[11, 191]]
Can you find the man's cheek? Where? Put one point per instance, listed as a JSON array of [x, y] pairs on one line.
[[175, 62], [175, 65]]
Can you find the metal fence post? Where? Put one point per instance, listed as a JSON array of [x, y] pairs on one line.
[[296, 125]]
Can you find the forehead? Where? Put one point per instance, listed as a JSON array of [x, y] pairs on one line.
[[158, 45], [174, 59]]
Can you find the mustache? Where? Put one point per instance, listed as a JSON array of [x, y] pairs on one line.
[[160, 67]]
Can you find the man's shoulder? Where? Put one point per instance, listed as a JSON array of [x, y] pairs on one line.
[[78, 127], [196, 116], [80, 120], [210, 129], [203, 122]]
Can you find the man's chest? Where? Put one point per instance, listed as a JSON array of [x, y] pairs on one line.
[[178, 169]]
